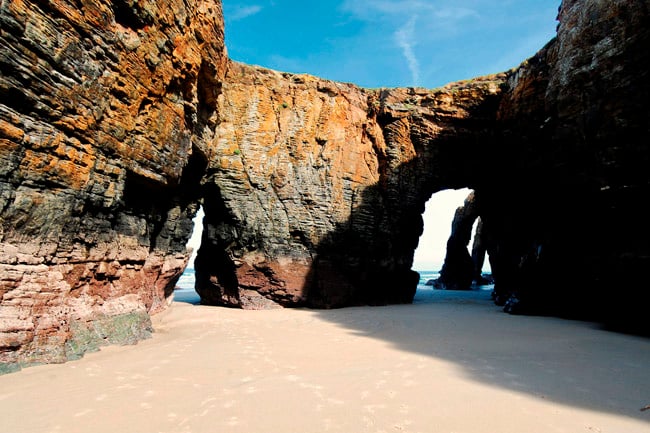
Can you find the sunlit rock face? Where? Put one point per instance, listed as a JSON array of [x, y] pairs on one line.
[[99, 103], [314, 190]]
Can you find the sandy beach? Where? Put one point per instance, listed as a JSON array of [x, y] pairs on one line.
[[451, 362]]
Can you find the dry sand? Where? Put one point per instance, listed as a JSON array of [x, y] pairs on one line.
[[451, 362]]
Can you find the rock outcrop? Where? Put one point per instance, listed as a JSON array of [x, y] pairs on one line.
[[314, 190], [118, 119], [570, 171], [98, 106]]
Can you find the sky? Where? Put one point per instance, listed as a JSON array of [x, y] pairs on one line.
[[393, 43], [388, 43]]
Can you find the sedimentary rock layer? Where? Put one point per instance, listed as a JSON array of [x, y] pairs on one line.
[[314, 190], [570, 169], [98, 106]]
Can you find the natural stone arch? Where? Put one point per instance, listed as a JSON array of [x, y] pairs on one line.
[[315, 190]]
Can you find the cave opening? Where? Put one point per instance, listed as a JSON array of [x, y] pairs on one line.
[[434, 256], [185, 287]]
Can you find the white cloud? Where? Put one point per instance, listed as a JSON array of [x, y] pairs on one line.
[[405, 37], [240, 12]]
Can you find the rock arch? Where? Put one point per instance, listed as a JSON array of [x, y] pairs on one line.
[[321, 185]]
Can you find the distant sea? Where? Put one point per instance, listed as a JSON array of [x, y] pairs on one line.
[[425, 293], [185, 287]]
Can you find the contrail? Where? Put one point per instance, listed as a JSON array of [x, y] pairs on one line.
[[405, 37]]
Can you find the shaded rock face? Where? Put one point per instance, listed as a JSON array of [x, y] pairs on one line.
[[117, 119], [570, 171], [99, 104]]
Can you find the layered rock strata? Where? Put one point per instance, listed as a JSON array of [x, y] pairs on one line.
[[314, 190], [98, 105]]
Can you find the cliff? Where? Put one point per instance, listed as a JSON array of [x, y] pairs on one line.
[[99, 104], [118, 119], [570, 171]]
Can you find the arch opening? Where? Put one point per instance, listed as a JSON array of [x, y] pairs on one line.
[[185, 287], [444, 247]]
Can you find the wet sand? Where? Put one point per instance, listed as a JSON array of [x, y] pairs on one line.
[[451, 362]]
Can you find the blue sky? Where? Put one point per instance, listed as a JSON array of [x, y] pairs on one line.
[[392, 43], [388, 43]]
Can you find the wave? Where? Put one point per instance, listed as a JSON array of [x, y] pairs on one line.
[[186, 281]]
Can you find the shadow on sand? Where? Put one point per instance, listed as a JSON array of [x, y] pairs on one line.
[[574, 363]]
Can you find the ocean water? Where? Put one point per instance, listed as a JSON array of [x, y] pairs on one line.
[[426, 294], [426, 276], [423, 292], [186, 281], [185, 287]]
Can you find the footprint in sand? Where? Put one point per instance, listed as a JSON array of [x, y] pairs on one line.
[[230, 404], [292, 378], [368, 422], [93, 370], [373, 408], [83, 413], [232, 421], [208, 400]]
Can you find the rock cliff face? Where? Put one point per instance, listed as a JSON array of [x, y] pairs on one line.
[[117, 119], [562, 207], [314, 190], [98, 105]]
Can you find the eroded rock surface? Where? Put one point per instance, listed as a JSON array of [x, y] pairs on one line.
[[314, 189], [99, 103]]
